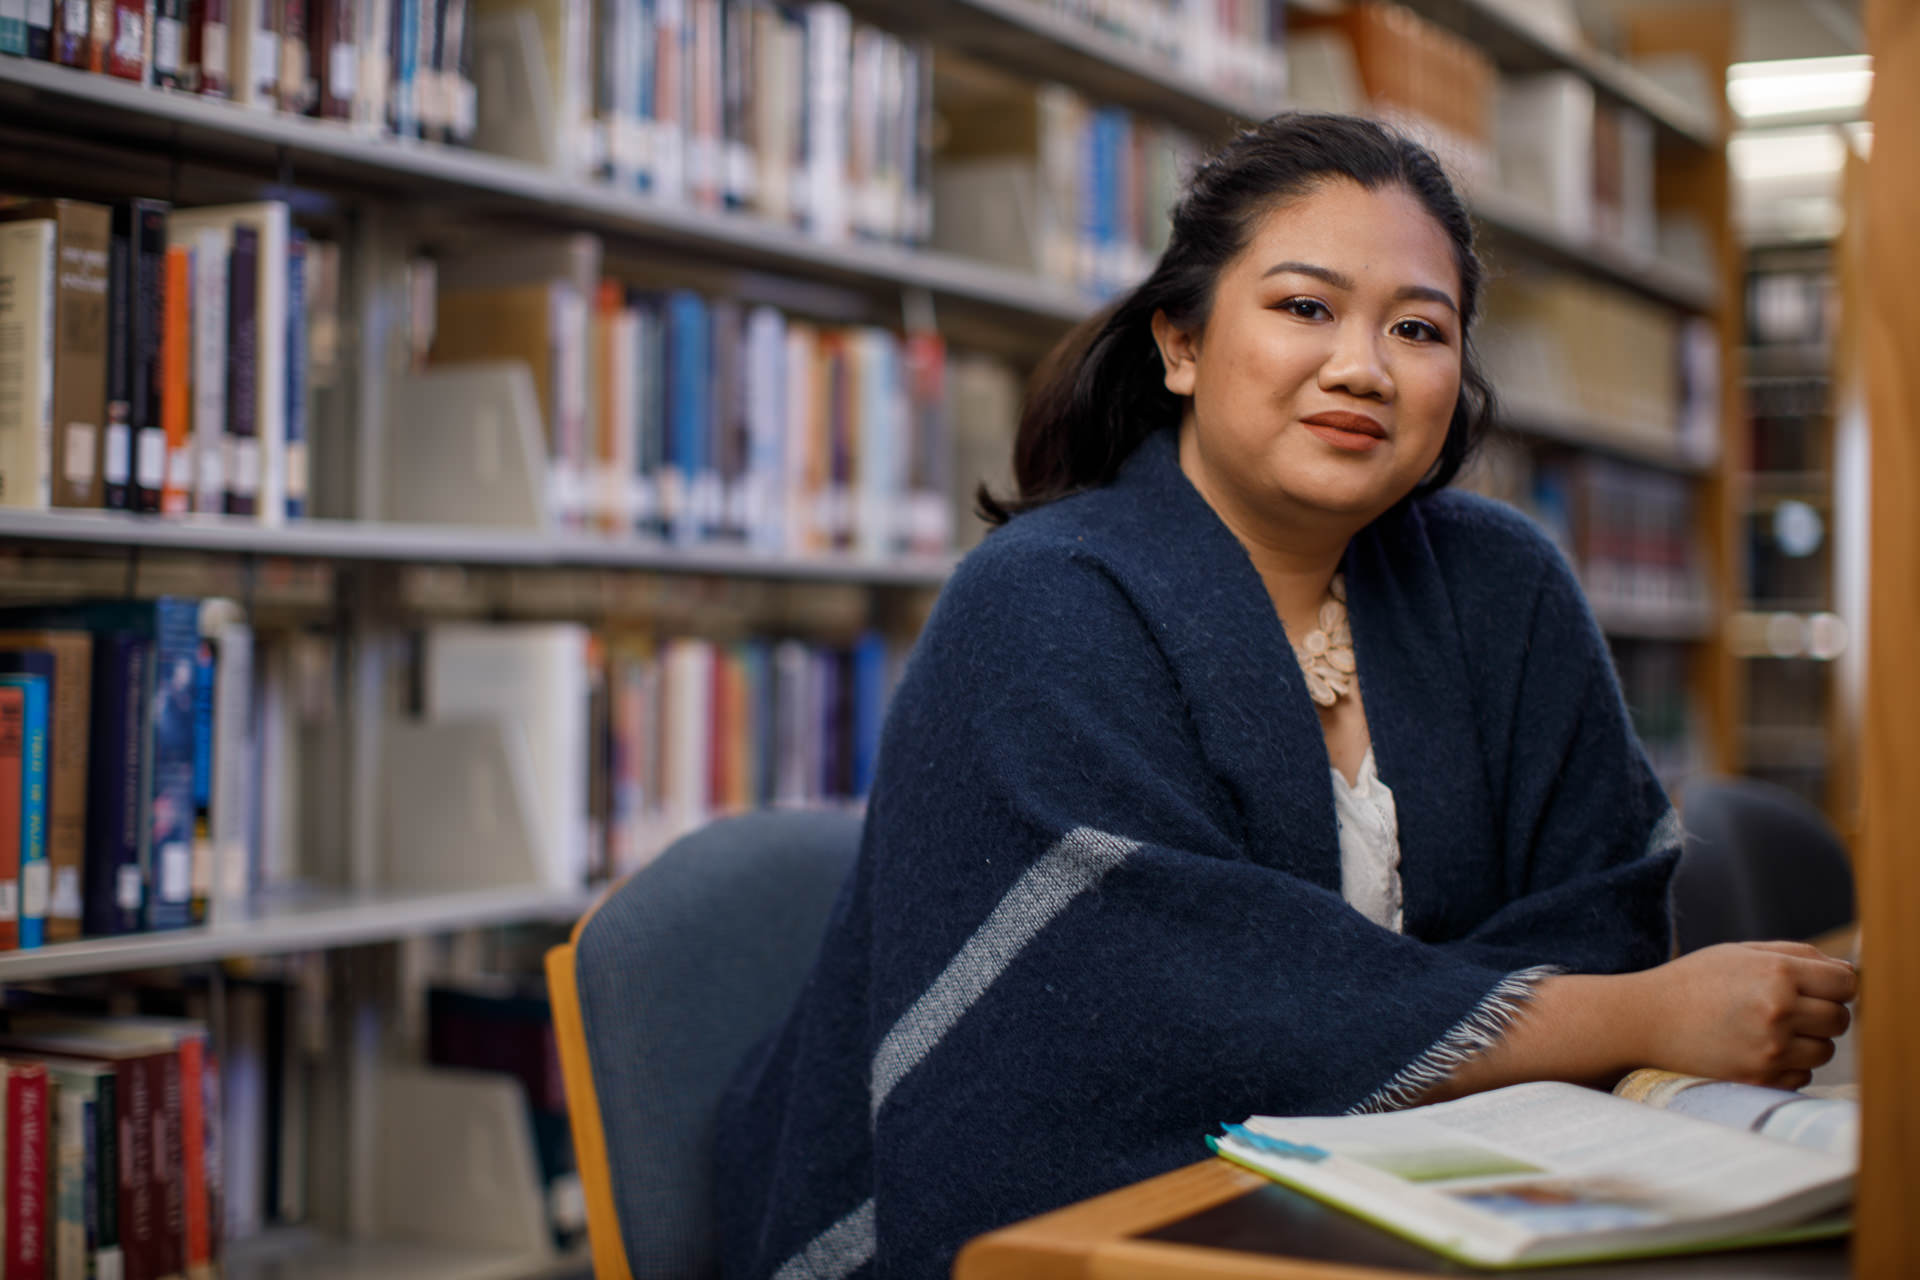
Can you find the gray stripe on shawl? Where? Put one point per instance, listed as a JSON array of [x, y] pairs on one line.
[[1464, 1041], [1074, 865], [840, 1250]]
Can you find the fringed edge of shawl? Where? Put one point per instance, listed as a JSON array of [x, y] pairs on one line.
[[1464, 1041]]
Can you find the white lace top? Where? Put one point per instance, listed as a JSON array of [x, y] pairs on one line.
[[1369, 845]]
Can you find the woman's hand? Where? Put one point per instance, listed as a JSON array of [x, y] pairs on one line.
[[1758, 1012]]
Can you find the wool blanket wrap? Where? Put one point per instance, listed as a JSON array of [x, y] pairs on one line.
[[1097, 908]]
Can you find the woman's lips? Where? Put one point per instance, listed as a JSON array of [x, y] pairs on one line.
[[1354, 432]]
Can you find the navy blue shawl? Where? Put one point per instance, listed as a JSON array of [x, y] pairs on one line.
[[1097, 908]]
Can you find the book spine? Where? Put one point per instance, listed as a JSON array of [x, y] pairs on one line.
[[168, 1172], [170, 67], [109, 1257], [13, 746], [243, 371], [71, 709], [262, 85], [29, 264], [72, 33], [337, 57], [39, 30], [294, 76], [13, 27], [209, 47], [80, 351], [209, 378], [177, 469], [205, 675], [115, 892], [99, 35], [197, 1205], [147, 299], [127, 56], [116, 440], [170, 864], [26, 1198], [36, 729], [296, 380], [139, 1213], [71, 1108]]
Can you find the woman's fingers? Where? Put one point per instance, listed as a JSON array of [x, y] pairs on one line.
[[1804, 1053], [1824, 978], [1815, 1017]]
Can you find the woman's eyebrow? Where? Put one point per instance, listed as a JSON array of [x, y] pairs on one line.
[[1341, 280]]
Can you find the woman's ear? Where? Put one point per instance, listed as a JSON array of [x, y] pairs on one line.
[[1178, 352]]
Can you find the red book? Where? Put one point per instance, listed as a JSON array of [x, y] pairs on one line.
[[13, 723], [26, 1177], [207, 47], [127, 58]]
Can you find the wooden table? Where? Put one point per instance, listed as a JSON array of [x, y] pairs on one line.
[[1215, 1220]]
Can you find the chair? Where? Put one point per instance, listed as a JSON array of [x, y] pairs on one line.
[[669, 980], [1759, 863]]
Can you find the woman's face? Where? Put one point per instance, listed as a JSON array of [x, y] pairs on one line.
[[1324, 378]]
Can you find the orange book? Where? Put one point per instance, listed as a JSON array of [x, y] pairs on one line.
[[609, 301], [174, 346]]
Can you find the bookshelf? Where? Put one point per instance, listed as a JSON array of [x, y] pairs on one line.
[[376, 193]]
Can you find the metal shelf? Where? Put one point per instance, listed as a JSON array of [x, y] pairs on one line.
[[408, 543], [298, 1253], [37, 94], [1509, 221], [1546, 422], [311, 921], [1515, 46]]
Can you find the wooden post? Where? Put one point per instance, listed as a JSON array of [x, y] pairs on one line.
[[1888, 1242]]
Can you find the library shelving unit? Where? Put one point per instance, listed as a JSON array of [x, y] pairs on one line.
[[85, 133]]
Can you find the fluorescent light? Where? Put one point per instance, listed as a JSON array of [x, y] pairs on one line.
[[1773, 155], [1761, 91]]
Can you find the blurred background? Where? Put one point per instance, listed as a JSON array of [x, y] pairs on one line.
[[450, 448]]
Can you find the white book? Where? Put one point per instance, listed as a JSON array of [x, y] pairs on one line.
[[28, 272], [533, 678], [209, 363], [766, 429], [687, 735], [802, 375], [1544, 146], [230, 819], [879, 426], [829, 55], [270, 219]]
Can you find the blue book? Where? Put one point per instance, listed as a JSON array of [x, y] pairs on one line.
[[172, 624], [36, 736], [298, 460], [13, 34], [689, 409], [119, 790], [869, 707]]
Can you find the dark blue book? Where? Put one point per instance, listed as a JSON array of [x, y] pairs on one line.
[[119, 792], [689, 410], [32, 672], [172, 624], [298, 453], [869, 707]]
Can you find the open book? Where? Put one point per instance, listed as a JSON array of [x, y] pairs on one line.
[[1549, 1173]]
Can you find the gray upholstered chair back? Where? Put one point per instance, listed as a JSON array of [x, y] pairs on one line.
[[680, 972], [1759, 863]]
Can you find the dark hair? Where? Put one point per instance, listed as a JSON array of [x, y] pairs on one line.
[[1102, 389]]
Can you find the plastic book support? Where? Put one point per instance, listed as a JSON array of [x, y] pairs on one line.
[[455, 803], [465, 446]]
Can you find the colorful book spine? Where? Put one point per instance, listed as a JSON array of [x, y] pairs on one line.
[[72, 33], [26, 1170], [170, 66], [13, 747], [175, 371], [70, 655], [176, 629], [35, 731], [243, 371], [296, 419], [40, 30], [208, 47], [120, 801], [127, 58], [13, 27]]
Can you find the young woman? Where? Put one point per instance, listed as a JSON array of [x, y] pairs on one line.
[[1244, 769]]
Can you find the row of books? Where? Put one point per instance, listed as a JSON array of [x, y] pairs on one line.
[[125, 765], [1617, 364], [113, 1136], [796, 112], [704, 420], [1238, 45], [629, 740], [1788, 424], [160, 360], [1046, 182], [1656, 679]]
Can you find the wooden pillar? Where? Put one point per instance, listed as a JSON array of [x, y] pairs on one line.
[[1888, 1243]]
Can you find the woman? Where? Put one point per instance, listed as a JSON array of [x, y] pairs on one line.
[[1245, 769]]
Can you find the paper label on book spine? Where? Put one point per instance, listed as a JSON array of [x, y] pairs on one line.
[[82, 443], [150, 463], [213, 49], [130, 35], [116, 462], [107, 1266], [128, 892], [168, 46], [296, 470], [243, 466], [176, 871], [40, 13], [343, 70], [180, 469], [266, 57], [74, 17], [9, 900], [211, 490], [36, 888], [66, 904]]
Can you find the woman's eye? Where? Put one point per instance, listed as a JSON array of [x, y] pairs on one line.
[[1416, 331], [1305, 308]]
